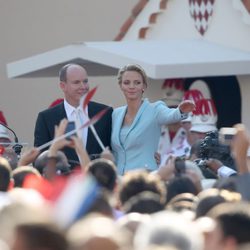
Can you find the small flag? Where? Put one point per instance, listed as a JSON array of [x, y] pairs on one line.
[[75, 200]]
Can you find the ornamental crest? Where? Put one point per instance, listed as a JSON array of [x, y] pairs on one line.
[[201, 11]]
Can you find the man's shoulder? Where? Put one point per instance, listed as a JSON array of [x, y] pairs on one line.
[[98, 105], [53, 110]]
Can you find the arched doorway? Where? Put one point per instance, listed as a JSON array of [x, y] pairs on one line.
[[225, 92]]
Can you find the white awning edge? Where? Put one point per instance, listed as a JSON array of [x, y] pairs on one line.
[[160, 59]]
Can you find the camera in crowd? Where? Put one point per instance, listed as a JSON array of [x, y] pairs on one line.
[[211, 147]]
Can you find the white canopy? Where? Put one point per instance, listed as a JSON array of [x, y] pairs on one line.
[[160, 59]]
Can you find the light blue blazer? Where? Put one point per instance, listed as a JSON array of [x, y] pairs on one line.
[[141, 140]]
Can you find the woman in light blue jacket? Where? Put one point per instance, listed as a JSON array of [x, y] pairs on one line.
[[136, 127]]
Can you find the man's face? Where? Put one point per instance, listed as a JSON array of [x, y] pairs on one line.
[[186, 125], [76, 85]]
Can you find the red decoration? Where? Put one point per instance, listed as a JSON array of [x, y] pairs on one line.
[[56, 102], [88, 97], [173, 83], [205, 107], [2, 150], [201, 11], [193, 94], [2, 119], [95, 118]]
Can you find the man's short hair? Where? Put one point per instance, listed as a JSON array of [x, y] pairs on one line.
[[105, 173], [234, 220], [145, 203], [42, 236], [62, 165], [21, 172], [138, 181], [63, 71]]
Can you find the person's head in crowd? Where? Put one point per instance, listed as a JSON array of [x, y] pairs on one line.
[[11, 156], [73, 83], [229, 184], [39, 236], [169, 229], [179, 185], [28, 197], [102, 204], [145, 203], [133, 68], [209, 198], [20, 212], [131, 221], [21, 172], [5, 139], [186, 123], [96, 232], [195, 173], [154, 247], [183, 201], [62, 165], [173, 91], [195, 150], [5, 174], [192, 166], [105, 173], [232, 227], [135, 182], [204, 120]]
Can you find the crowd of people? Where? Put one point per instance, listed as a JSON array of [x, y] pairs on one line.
[[147, 175]]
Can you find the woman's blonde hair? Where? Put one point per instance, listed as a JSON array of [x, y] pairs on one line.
[[132, 67]]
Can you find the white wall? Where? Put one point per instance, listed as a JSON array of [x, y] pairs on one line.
[[245, 97], [29, 27], [227, 26]]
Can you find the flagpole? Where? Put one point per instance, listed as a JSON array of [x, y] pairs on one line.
[[97, 137]]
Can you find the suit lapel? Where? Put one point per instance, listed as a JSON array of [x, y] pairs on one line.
[[57, 115], [120, 118], [61, 111], [91, 139], [118, 125], [91, 110], [138, 115]]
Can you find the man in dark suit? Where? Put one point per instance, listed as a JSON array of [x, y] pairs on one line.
[[74, 84]]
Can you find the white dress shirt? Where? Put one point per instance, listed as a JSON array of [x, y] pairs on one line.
[[80, 118]]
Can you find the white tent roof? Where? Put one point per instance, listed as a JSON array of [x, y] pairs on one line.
[[160, 59]]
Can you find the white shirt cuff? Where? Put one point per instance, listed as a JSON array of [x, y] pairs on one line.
[[225, 171]]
